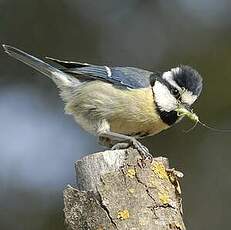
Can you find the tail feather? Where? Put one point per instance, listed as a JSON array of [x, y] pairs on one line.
[[59, 77]]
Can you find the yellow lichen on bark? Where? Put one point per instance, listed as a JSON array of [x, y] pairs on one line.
[[123, 214], [159, 169], [164, 198], [131, 172]]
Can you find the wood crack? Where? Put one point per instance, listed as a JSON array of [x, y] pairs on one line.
[[104, 207]]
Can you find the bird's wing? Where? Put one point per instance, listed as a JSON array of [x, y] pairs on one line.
[[128, 77]]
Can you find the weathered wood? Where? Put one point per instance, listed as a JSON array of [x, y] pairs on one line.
[[116, 191]]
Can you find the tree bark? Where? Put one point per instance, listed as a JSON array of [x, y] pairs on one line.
[[117, 190]]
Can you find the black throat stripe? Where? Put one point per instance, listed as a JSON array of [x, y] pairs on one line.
[[168, 118]]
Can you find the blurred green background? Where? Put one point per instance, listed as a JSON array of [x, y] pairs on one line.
[[39, 144]]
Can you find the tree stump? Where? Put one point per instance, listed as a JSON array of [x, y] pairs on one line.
[[117, 190]]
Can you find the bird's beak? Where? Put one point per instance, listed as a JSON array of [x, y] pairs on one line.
[[186, 106]]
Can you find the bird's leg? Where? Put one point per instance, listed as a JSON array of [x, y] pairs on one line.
[[107, 137], [144, 152]]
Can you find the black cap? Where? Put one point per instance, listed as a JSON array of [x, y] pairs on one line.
[[188, 78]]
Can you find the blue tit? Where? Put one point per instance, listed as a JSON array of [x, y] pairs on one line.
[[119, 104]]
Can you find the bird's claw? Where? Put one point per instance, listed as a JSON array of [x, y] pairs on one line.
[[143, 151]]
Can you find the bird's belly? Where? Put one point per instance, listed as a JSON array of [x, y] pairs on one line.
[[137, 128]]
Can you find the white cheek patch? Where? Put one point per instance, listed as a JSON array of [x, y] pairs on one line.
[[188, 98], [164, 99]]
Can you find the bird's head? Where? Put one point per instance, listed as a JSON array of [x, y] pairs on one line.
[[179, 87]]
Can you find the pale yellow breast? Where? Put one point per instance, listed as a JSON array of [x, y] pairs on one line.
[[138, 114]]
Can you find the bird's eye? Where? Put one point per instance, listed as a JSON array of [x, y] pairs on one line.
[[176, 93]]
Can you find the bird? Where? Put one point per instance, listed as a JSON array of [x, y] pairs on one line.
[[119, 105]]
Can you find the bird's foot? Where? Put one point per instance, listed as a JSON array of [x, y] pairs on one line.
[[143, 151]]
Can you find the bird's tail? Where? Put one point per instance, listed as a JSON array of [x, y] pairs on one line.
[[61, 79]]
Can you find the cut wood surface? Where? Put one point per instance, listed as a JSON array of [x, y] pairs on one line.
[[116, 190]]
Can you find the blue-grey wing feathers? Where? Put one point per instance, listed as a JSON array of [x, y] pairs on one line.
[[131, 77], [128, 77]]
